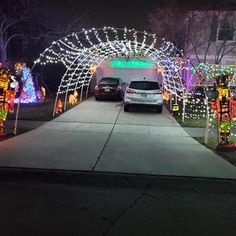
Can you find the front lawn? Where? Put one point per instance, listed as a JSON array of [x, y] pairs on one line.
[[200, 122]]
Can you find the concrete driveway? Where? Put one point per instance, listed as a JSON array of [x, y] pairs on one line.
[[100, 136]]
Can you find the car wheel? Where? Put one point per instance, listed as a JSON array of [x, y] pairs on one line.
[[119, 98], [126, 108], [97, 99], [159, 109]]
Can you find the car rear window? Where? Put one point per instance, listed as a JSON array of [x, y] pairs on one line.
[[144, 85], [111, 81]]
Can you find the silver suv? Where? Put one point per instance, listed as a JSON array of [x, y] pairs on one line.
[[143, 93]]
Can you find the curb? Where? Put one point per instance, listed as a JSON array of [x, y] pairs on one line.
[[117, 180]]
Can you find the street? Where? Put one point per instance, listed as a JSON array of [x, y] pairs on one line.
[[66, 203]]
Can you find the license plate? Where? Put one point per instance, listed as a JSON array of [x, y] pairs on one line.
[[144, 95], [107, 90]]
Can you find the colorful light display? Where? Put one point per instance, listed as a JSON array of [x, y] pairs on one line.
[[79, 51], [206, 74], [28, 93], [6, 97], [223, 107]]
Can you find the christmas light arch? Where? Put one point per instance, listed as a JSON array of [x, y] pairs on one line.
[[81, 53]]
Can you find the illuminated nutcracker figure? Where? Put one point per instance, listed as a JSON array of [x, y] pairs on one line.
[[6, 97], [224, 107]]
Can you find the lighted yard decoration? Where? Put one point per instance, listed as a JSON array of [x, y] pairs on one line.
[[28, 93], [73, 98], [58, 108], [224, 107], [203, 76], [208, 77], [82, 52], [6, 97]]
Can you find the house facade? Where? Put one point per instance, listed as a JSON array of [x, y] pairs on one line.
[[211, 37]]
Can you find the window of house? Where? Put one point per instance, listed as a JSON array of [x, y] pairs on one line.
[[226, 30]]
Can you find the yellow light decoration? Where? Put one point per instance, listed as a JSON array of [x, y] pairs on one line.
[[92, 69], [18, 68], [4, 106], [223, 93]]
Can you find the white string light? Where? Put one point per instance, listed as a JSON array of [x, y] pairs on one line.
[[79, 51]]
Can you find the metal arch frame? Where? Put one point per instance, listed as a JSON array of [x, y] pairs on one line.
[[94, 46]]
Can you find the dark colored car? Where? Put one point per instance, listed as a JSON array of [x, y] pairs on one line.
[[110, 88], [198, 92], [233, 92]]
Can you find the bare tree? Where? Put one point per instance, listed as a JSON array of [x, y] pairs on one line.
[[195, 32], [12, 15], [35, 24], [203, 36], [169, 22]]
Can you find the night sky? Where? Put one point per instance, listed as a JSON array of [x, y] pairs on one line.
[[132, 13]]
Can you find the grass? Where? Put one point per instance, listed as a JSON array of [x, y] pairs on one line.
[[197, 123], [41, 111], [228, 155]]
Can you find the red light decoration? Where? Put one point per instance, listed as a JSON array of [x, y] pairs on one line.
[[6, 98], [225, 109]]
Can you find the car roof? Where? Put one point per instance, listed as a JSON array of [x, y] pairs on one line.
[[144, 80], [110, 77]]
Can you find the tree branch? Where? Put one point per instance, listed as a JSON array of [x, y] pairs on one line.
[[14, 22]]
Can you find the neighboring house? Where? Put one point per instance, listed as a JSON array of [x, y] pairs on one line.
[[211, 37]]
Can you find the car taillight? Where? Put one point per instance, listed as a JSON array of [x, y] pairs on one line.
[[118, 88], [96, 87], [130, 91]]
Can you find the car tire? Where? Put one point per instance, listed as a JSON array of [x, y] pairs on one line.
[[97, 99], [126, 108], [120, 98], [159, 109]]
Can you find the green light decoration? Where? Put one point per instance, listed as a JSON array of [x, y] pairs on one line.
[[3, 115], [225, 126], [130, 64], [211, 71]]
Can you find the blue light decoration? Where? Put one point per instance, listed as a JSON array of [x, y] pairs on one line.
[[28, 93]]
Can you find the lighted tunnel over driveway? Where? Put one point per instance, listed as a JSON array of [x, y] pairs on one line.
[[82, 52]]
